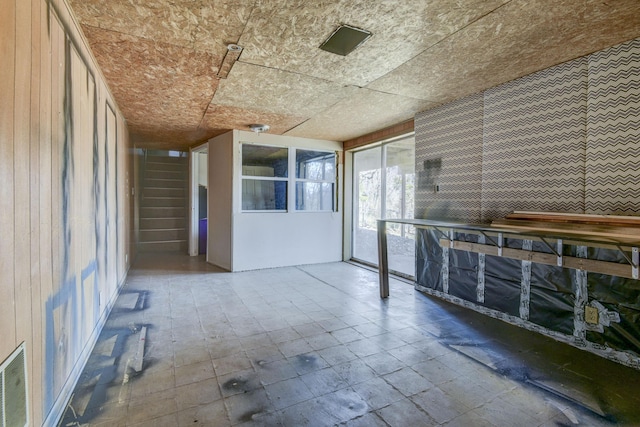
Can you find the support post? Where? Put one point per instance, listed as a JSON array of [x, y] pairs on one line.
[[481, 269], [525, 286], [581, 292], [383, 264]]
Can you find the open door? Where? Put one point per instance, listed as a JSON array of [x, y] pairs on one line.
[[198, 200]]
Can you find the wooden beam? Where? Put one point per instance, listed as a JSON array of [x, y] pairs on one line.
[[570, 229], [7, 168], [589, 265], [610, 220], [380, 135]]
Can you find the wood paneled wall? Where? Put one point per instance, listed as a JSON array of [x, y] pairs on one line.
[[64, 199]]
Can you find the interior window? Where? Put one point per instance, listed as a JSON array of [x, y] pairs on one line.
[[265, 172], [315, 180]]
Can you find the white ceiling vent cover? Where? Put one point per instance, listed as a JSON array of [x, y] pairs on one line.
[[13, 390]]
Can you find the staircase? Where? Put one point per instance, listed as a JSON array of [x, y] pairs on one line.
[[163, 204]]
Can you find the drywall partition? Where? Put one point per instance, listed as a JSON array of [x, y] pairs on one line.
[[277, 239], [562, 139], [220, 199], [247, 240], [61, 154]]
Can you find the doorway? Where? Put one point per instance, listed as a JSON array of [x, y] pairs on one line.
[[198, 196], [384, 187]]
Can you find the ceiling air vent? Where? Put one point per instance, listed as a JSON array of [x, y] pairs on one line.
[[345, 39], [13, 390]]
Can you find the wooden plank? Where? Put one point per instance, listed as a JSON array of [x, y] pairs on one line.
[[45, 250], [589, 265], [139, 357], [36, 353], [21, 192], [571, 230], [53, 319], [596, 266], [613, 220], [7, 225]]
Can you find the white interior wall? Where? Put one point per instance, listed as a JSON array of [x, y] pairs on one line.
[[220, 199], [202, 168], [253, 240]]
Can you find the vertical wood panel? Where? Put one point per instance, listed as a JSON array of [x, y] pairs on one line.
[[36, 354], [121, 193], [111, 235], [58, 45], [7, 93], [45, 199], [21, 147]]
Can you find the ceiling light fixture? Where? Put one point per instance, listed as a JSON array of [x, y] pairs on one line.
[[230, 58], [259, 128], [345, 39]]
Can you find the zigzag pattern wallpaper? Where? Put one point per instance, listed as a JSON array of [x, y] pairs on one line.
[[449, 156], [613, 131], [563, 139], [534, 136]]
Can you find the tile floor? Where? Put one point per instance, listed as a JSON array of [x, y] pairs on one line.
[[315, 346]]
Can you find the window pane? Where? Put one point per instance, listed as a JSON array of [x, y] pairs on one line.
[[367, 203], [316, 165], [264, 195], [397, 201], [314, 196], [399, 183], [259, 160]]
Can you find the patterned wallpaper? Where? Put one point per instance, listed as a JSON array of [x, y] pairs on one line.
[[449, 155], [613, 131], [534, 142], [563, 139]]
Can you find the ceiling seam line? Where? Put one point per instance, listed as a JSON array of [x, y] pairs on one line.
[[298, 74], [204, 114], [146, 39], [442, 40], [247, 22]]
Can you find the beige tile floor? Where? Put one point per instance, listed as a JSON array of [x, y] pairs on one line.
[[315, 346]]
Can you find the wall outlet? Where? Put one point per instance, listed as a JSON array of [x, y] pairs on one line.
[[591, 315]]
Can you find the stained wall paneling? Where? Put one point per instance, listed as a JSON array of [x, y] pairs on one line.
[[46, 184], [7, 256], [124, 200], [110, 199], [21, 149], [34, 352], [100, 201], [58, 47]]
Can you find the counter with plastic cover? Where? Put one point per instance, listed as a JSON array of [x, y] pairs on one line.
[[577, 288]]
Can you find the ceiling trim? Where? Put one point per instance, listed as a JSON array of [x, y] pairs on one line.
[[379, 135]]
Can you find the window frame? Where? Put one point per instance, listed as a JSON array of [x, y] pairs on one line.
[[332, 179], [291, 180], [244, 178]]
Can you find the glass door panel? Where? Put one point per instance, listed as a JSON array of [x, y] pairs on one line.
[[399, 159], [367, 206]]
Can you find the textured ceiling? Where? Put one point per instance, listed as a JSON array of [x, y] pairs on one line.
[[161, 58]]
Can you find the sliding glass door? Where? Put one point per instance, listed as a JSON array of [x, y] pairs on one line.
[[384, 188]]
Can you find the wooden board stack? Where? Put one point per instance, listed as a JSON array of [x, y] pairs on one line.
[[615, 227]]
